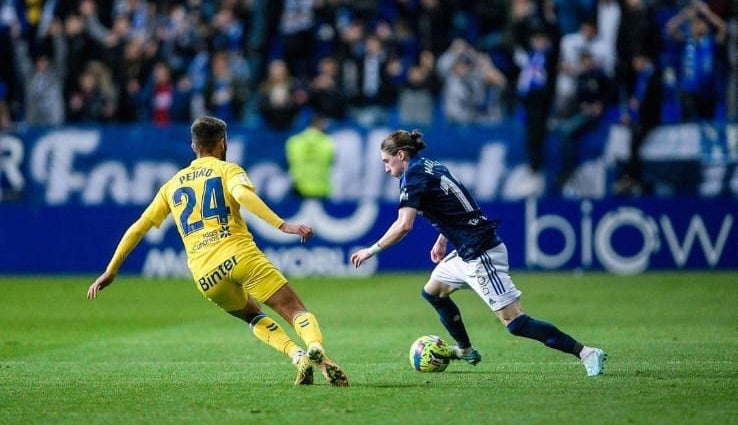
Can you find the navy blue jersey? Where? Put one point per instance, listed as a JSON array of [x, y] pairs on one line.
[[430, 188]]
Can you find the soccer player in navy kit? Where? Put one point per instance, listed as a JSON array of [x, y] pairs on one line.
[[479, 260], [228, 267]]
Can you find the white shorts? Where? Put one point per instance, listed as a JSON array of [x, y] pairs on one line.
[[488, 275]]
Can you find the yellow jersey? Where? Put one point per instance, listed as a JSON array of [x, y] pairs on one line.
[[207, 216]]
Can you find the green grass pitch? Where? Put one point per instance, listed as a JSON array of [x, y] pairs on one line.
[[156, 352]]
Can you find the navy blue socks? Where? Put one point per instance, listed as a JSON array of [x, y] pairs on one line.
[[524, 326], [545, 332], [450, 317]]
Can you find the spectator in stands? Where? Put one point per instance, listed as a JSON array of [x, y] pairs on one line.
[[225, 92], [470, 80], [377, 84], [310, 156], [535, 88], [79, 50], [158, 95], [416, 103], [136, 12], [93, 97], [129, 36], [403, 42], [124, 54], [495, 86], [111, 42], [329, 17], [178, 38], [571, 48], [594, 93], [182, 104], [281, 97], [228, 31], [433, 25], [699, 77], [643, 115], [296, 31], [461, 95], [198, 73], [639, 34], [326, 96], [229, 38], [131, 75], [349, 49], [42, 78]]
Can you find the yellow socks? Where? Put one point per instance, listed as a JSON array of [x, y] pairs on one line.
[[269, 331], [307, 328]]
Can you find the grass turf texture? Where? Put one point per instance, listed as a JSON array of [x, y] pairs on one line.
[[156, 352]]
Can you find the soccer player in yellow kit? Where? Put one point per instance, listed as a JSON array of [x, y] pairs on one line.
[[227, 266]]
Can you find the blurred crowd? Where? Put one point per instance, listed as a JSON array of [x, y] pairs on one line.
[[565, 63]]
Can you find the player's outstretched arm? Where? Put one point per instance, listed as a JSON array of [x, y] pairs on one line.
[[248, 199], [130, 239], [401, 227]]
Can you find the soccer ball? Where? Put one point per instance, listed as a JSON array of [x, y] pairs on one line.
[[430, 353]]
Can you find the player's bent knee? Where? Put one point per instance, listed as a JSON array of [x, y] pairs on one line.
[[510, 312], [437, 289], [517, 325], [432, 299]]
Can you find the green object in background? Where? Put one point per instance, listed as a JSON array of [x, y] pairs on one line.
[[310, 156]]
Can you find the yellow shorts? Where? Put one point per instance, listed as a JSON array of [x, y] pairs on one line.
[[231, 283]]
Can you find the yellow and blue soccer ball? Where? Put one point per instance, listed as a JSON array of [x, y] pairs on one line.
[[429, 353]]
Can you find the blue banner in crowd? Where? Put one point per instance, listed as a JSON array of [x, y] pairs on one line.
[[69, 193]]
